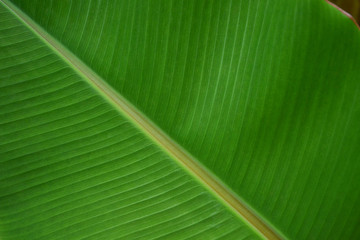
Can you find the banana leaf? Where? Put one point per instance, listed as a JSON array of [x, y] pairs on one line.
[[167, 119]]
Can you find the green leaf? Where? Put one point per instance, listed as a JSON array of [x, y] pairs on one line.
[[222, 119], [74, 166]]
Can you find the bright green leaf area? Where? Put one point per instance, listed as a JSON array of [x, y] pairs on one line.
[[73, 167], [265, 94]]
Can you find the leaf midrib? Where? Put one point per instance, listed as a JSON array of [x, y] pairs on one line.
[[177, 153]]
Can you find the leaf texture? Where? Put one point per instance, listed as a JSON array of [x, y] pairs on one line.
[[73, 167], [264, 94]]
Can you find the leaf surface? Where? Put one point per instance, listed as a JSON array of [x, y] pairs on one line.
[[264, 94], [73, 166]]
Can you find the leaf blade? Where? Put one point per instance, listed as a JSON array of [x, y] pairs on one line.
[[65, 175]]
